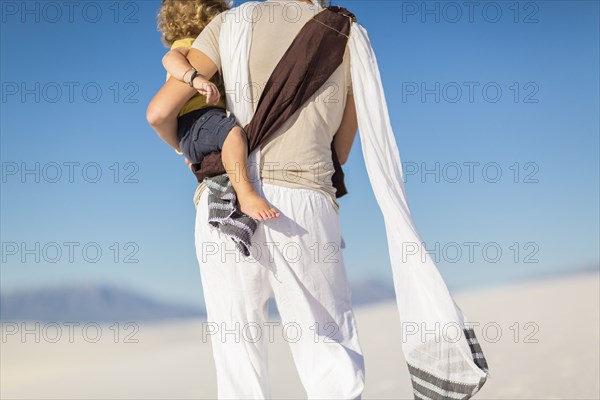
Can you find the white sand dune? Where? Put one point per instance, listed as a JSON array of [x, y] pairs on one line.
[[171, 360]]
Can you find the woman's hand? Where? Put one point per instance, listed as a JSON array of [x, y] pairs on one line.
[[189, 164], [207, 89]]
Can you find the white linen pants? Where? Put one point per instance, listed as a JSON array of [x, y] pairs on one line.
[[296, 259]]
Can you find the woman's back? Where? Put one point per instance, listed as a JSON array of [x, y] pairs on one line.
[[299, 153]]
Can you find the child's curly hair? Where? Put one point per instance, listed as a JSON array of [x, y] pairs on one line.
[[179, 19]]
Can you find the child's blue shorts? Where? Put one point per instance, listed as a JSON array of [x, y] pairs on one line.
[[203, 131]]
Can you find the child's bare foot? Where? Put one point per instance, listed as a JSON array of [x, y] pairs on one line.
[[255, 206]]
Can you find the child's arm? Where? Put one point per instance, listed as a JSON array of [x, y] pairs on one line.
[[163, 110], [178, 65]]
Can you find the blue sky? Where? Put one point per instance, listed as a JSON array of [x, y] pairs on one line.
[[75, 85]]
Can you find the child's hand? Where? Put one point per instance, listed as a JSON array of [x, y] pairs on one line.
[[208, 89]]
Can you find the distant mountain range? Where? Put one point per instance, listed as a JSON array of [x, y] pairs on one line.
[[101, 303], [89, 303], [371, 291]]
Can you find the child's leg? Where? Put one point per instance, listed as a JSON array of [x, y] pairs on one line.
[[235, 159]]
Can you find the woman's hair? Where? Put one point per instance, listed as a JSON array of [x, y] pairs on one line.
[[179, 19]]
